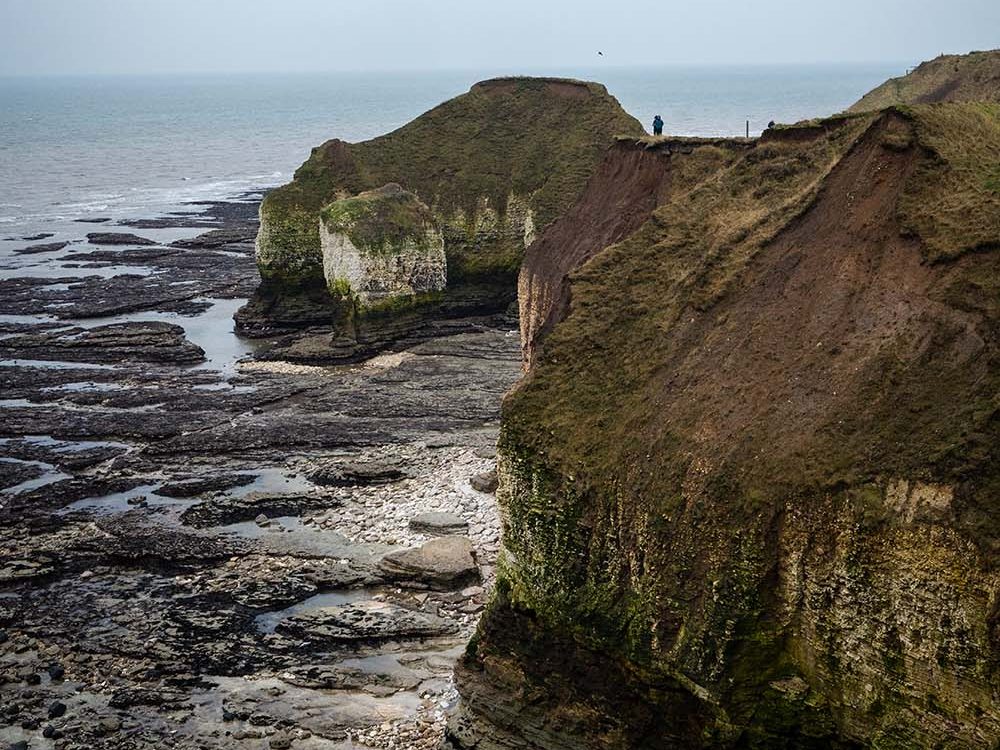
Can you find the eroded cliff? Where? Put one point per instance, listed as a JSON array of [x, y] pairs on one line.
[[947, 78], [749, 482], [493, 166]]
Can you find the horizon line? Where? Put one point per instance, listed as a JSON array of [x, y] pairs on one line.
[[458, 70]]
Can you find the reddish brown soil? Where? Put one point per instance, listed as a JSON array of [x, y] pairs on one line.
[[619, 199]]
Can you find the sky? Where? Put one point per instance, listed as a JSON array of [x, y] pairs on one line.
[[186, 36]]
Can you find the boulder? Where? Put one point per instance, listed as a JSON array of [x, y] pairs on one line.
[[444, 563], [56, 709], [486, 482]]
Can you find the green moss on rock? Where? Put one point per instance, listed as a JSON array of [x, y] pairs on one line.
[[380, 221]]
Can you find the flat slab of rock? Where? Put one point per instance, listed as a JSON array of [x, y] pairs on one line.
[[447, 562], [342, 677], [439, 524], [350, 474], [117, 238], [141, 341], [32, 237], [227, 509], [49, 247], [219, 238], [485, 482], [364, 621], [201, 485]]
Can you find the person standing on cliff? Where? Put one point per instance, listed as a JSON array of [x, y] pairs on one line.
[[657, 125]]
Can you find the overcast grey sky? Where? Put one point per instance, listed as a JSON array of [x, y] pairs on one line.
[[142, 36]]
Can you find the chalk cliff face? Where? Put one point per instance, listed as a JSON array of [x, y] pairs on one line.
[[948, 78], [749, 483], [492, 167], [381, 245]]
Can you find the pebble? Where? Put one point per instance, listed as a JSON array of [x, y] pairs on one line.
[[439, 483], [57, 709], [109, 725]]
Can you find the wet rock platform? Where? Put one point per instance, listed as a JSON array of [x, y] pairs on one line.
[[204, 549]]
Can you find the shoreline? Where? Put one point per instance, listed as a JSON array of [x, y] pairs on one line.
[[160, 501]]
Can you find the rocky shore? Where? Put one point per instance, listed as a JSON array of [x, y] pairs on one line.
[[204, 549]]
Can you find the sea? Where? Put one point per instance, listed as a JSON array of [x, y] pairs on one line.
[[124, 147]]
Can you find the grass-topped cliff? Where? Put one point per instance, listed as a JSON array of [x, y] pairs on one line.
[[750, 482], [494, 166], [948, 78], [377, 221]]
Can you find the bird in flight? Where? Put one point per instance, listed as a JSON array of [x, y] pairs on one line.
[[600, 53]]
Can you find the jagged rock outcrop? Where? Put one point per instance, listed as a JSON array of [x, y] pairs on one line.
[[974, 77], [749, 482], [488, 169]]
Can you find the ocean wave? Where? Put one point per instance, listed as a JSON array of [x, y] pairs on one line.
[[134, 202]]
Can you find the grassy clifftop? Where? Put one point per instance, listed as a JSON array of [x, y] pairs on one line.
[[377, 221], [768, 417], [536, 140], [948, 78]]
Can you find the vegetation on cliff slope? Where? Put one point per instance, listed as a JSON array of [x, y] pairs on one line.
[[948, 78], [953, 202], [535, 139], [771, 415]]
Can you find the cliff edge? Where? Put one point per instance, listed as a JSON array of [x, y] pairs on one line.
[[948, 78], [491, 168], [749, 481]]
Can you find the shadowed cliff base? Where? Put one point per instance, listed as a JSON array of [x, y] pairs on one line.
[[750, 475], [491, 167]]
